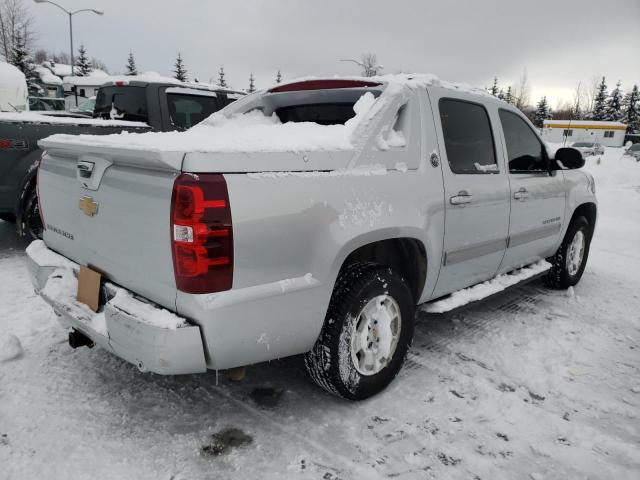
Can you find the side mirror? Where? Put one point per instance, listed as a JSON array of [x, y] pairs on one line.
[[568, 159]]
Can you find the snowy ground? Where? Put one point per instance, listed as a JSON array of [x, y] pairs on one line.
[[533, 384]]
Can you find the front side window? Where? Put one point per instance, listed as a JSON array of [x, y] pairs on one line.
[[468, 138], [189, 110], [525, 152]]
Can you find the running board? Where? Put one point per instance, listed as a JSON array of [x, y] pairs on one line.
[[484, 290]]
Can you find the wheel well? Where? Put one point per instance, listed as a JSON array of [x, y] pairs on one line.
[[588, 211], [406, 256]]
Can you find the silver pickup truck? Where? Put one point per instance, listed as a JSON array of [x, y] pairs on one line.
[[311, 219]]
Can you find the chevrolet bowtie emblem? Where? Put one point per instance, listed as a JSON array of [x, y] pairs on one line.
[[88, 206]]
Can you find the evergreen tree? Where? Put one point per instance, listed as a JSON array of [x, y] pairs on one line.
[[252, 86], [508, 97], [279, 77], [631, 109], [501, 94], [599, 104], [613, 108], [180, 71], [132, 69], [542, 113], [83, 65], [221, 81], [20, 58], [494, 88]]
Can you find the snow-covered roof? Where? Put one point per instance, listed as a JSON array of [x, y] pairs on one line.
[[584, 124], [58, 69], [34, 117], [47, 77], [155, 77], [95, 78]]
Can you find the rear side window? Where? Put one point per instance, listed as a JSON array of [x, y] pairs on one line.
[[524, 150], [468, 138], [320, 113], [122, 103], [188, 110]]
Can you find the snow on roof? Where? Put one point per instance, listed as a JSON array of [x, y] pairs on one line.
[[47, 77], [155, 77], [583, 123], [95, 78], [58, 69], [34, 117]]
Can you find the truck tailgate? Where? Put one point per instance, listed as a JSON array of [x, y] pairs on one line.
[[116, 219]]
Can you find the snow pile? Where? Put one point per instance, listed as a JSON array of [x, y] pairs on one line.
[[485, 289], [249, 132], [13, 89], [33, 117]]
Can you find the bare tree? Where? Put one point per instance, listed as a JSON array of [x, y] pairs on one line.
[[590, 93], [369, 64], [522, 91], [15, 20], [370, 67]]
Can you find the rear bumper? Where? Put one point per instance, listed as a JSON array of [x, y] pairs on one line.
[[141, 333]]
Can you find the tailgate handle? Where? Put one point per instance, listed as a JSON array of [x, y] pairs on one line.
[[85, 169]]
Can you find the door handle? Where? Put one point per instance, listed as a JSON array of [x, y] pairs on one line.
[[462, 198], [521, 194]]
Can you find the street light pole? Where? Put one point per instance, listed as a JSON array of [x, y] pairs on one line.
[[71, 14]]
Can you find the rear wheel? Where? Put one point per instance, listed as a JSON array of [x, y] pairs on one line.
[[8, 217], [31, 222], [570, 260], [367, 332]]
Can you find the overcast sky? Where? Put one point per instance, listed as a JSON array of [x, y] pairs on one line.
[[559, 42]]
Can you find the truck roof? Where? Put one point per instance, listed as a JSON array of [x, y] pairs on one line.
[[148, 79]]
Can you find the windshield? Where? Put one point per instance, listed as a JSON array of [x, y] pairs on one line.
[[122, 103], [583, 144]]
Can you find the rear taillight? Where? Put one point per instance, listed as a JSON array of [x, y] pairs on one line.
[[201, 233], [40, 212]]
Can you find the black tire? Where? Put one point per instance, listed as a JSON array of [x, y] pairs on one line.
[[330, 363], [559, 276], [8, 217], [30, 221]]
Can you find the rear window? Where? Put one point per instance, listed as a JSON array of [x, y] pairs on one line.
[[468, 138], [189, 110], [122, 103], [320, 113], [583, 144]]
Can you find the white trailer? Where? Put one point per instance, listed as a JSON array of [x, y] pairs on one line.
[[13, 89], [610, 134]]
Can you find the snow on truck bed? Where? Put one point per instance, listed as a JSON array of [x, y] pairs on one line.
[[249, 132], [255, 132]]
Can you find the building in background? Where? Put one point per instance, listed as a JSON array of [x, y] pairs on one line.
[[610, 134]]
